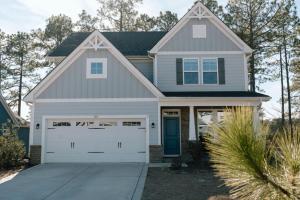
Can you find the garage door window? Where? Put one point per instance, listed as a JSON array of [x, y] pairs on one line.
[[131, 123], [108, 124], [84, 123], [57, 124]]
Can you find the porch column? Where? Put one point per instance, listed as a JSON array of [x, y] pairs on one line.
[[192, 132]]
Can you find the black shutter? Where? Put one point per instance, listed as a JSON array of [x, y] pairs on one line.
[[179, 71], [221, 70]]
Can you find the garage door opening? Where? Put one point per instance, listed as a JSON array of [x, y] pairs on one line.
[[95, 140]]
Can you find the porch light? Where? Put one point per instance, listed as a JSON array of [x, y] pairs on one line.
[[153, 125], [37, 126]]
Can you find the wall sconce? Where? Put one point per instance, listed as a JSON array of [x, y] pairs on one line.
[[37, 126], [152, 125]]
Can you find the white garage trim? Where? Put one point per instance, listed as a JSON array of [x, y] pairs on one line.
[[47, 117]]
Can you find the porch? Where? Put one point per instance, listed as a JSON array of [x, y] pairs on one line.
[[184, 122]]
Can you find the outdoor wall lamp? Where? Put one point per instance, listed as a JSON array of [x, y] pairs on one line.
[[153, 125], [37, 126]]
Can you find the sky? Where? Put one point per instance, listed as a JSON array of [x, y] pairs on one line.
[[25, 15]]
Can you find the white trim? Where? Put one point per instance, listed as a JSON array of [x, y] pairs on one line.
[[192, 124], [75, 55], [227, 31], [202, 70], [159, 142], [246, 72], [96, 100], [89, 62], [198, 52], [178, 116], [46, 117], [31, 132], [155, 71]]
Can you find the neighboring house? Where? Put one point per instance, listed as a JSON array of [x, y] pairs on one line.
[[138, 96], [7, 116]]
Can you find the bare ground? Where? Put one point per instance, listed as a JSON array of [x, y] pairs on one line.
[[191, 183]]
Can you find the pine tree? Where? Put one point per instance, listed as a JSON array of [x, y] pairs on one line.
[[23, 64], [86, 22], [145, 23], [252, 21], [166, 20], [4, 62], [58, 28], [120, 14]]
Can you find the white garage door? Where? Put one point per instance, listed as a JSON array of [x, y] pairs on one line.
[[95, 140]]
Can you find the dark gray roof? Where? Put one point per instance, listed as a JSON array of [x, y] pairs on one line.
[[215, 94], [128, 43]]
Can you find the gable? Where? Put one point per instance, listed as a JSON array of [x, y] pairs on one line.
[[200, 12], [95, 41], [73, 83], [215, 40]]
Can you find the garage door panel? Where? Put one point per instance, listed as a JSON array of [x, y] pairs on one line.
[[96, 140]]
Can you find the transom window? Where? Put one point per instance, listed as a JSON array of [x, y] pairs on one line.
[[132, 123], [56, 124], [96, 68], [190, 71], [210, 71]]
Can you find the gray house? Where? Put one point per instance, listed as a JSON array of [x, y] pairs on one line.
[[138, 96]]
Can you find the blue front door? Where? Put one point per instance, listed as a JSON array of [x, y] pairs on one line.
[[171, 136]]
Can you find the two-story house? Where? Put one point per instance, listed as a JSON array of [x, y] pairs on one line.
[[138, 96]]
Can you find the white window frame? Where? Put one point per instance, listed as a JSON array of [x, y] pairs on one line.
[[183, 71], [89, 75], [199, 31], [202, 70]]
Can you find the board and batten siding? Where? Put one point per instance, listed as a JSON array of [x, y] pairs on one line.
[[144, 66], [72, 83], [97, 108], [215, 40], [234, 73]]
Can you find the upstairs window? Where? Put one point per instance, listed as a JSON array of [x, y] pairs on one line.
[[190, 71], [210, 71], [96, 68]]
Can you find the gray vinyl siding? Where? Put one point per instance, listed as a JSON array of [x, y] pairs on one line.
[[215, 40], [234, 74], [144, 66], [120, 83], [82, 109]]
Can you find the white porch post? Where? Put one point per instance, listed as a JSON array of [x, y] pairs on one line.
[[256, 121], [192, 132]]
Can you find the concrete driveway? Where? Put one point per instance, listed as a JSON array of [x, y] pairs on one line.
[[77, 181]]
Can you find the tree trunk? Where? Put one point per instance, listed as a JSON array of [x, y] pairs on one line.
[[20, 86], [282, 89], [288, 82]]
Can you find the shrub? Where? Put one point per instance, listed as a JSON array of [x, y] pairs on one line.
[[251, 166], [12, 150]]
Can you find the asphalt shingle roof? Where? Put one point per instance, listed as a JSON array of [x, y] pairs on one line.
[[215, 94], [128, 43]]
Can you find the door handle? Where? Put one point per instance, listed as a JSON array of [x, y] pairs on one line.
[[120, 144], [73, 145]]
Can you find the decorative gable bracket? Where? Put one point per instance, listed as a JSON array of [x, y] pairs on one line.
[[95, 43], [198, 13]]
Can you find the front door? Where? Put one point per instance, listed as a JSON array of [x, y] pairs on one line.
[[171, 136]]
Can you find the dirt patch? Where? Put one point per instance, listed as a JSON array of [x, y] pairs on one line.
[[6, 173], [190, 183]]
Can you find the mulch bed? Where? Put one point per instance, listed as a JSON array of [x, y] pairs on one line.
[[7, 172], [191, 183]]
